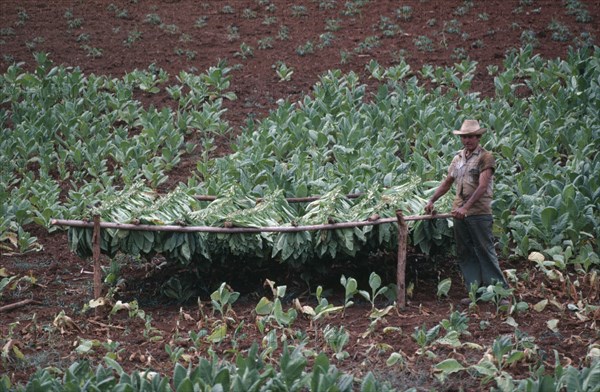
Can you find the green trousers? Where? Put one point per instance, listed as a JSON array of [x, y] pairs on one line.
[[477, 257]]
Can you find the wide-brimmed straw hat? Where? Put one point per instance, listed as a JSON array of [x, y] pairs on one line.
[[470, 127]]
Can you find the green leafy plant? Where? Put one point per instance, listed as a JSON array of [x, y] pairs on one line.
[[245, 51], [497, 294], [201, 22], [377, 290], [169, 28], [223, 298], [452, 27], [74, 23], [423, 337], [321, 310], [283, 34], [332, 24], [178, 290], [272, 311], [326, 40], [350, 289], [91, 51], [423, 43], [560, 32], [307, 48], [368, 44], [249, 13], [175, 353], [233, 33], [298, 11], [269, 20], [83, 37], [404, 13], [132, 37], [153, 19], [529, 37], [388, 28], [443, 287], [283, 72], [22, 17], [457, 322], [265, 43], [327, 4], [336, 338], [227, 9]]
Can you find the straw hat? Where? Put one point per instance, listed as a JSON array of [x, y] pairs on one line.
[[469, 127]]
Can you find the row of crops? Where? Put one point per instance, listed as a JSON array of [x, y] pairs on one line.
[[68, 138], [74, 145]]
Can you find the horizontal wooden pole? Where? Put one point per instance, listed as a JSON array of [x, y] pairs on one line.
[[242, 230], [288, 199]]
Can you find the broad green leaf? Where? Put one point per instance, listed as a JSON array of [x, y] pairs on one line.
[[218, 334], [449, 365], [21, 357], [515, 357], [512, 322], [374, 281], [114, 365], [185, 385], [549, 215], [264, 306], [387, 180], [540, 306], [485, 369], [395, 358], [451, 339], [85, 346], [552, 325], [350, 287], [444, 287]]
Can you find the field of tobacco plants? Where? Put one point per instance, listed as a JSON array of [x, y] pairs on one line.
[[233, 116]]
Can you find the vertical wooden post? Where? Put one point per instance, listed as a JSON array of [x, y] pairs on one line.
[[96, 256], [401, 266]]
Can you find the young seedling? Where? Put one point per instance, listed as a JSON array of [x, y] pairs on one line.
[[443, 288], [498, 294], [336, 339], [284, 72], [322, 309], [269, 311], [222, 299], [350, 289], [376, 289], [424, 337]]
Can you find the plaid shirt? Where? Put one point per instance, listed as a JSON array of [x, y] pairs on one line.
[[465, 172]]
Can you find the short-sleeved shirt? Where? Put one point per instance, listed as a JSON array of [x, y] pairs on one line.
[[465, 172]]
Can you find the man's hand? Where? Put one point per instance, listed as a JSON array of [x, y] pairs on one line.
[[429, 208], [439, 192], [460, 213]]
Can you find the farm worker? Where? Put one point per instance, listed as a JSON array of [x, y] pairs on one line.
[[472, 169]]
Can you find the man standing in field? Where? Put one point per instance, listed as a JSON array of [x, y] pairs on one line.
[[473, 171]]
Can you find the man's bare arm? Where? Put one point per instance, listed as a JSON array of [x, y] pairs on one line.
[[439, 192]]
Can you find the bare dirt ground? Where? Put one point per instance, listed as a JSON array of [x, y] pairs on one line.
[[196, 35]]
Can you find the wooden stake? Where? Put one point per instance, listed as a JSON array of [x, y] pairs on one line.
[[96, 256], [16, 305], [401, 266]]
